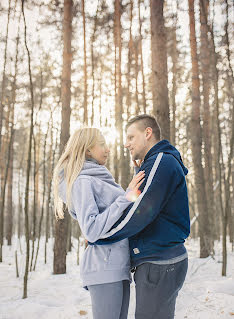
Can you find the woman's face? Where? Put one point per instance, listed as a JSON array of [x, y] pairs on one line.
[[99, 151]]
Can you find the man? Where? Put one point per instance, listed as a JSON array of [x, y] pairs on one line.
[[157, 223]]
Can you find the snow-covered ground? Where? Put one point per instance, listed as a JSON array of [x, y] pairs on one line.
[[205, 294]]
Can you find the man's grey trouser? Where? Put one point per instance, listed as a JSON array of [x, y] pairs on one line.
[[157, 287], [111, 300]]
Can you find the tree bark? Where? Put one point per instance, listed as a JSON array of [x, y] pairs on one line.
[[119, 104], [10, 177], [28, 158], [141, 56], [159, 68], [196, 139], [93, 62], [61, 225], [4, 76], [205, 72], [85, 66]]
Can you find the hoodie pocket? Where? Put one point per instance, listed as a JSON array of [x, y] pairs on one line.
[[118, 258]]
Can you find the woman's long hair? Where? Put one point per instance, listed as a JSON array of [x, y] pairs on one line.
[[71, 162]]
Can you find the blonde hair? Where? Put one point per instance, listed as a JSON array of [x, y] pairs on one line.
[[72, 161]]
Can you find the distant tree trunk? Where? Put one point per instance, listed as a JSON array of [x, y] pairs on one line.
[[100, 97], [119, 106], [231, 97], [205, 72], [9, 215], [135, 46], [4, 75], [141, 56], [20, 208], [85, 66], [130, 53], [159, 68], [174, 56], [69, 243], [61, 225], [93, 62], [129, 94], [10, 180], [3, 191], [227, 179], [28, 159], [197, 142], [43, 198], [49, 178], [34, 220]]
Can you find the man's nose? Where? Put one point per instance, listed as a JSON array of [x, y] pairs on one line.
[[126, 145]]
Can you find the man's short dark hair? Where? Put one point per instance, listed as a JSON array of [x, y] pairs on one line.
[[144, 121]]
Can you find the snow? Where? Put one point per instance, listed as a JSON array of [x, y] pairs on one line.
[[205, 294]]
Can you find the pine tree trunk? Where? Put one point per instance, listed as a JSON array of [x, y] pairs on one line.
[[9, 215], [141, 56], [4, 76], [28, 160], [43, 198], [85, 66], [205, 72], [196, 139], [159, 68], [136, 67], [217, 138], [93, 62], [61, 225], [174, 57], [118, 104], [10, 180]]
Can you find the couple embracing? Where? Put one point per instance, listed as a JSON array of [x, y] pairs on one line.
[[142, 229]]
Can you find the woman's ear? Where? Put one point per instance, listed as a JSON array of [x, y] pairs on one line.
[[88, 153]]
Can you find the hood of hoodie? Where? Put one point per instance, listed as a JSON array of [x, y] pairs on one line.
[[92, 168], [164, 146]]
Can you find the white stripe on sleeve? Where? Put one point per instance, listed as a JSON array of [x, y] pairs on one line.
[[137, 202]]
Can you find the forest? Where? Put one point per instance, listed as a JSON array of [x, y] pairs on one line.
[[66, 64]]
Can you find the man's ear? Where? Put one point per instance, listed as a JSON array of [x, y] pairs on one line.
[[149, 132]]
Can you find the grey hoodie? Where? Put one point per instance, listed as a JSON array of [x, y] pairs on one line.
[[97, 202]]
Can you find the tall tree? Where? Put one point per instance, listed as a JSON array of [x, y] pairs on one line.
[[10, 181], [196, 140], [61, 225], [159, 67], [28, 157], [93, 64], [4, 74], [205, 72], [85, 67], [141, 56], [174, 57]]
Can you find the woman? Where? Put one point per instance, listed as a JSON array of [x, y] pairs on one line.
[[93, 198]]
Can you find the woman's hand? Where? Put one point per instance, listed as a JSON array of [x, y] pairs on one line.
[[136, 181], [134, 185]]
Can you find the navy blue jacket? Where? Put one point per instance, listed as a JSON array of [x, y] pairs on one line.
[[157, 223]]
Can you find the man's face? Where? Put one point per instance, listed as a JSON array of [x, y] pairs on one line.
[[136, 142]]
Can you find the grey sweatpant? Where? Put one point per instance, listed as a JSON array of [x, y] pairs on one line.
[[111, 300], [157, 287]]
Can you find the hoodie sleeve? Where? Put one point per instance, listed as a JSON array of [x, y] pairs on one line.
[[163, 179], [94, 224]]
